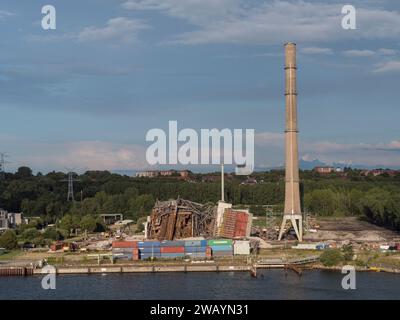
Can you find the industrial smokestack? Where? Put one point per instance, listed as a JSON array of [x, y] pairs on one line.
[[292, 209], [222, 183]]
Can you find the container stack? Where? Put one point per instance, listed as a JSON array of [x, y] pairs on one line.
[[149, 249], [125, 250], [196, 249], [172, 249], [221, 247]]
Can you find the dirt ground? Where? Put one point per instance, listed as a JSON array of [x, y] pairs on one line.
[[350, 228]]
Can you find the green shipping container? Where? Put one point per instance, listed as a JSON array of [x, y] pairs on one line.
[[219, 242]]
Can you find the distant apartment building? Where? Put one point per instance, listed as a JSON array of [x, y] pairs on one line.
[[327, 170], [163, 173], [3, 219], [10, 219], [378, 172]]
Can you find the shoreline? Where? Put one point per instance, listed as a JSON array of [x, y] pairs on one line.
[[159, 268]]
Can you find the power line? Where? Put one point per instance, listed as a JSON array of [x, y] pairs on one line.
[[3, 163], [71, 179]]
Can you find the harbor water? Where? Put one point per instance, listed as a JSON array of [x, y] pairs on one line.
[[270, 284]]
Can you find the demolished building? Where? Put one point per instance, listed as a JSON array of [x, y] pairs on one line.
[[178, 219]]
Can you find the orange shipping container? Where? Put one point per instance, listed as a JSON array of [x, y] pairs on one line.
[[124, 244], [172, 249]]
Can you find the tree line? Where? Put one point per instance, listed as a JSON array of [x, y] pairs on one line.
[[99, 192]]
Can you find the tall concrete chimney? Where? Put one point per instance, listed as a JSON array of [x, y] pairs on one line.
[[292, 209]]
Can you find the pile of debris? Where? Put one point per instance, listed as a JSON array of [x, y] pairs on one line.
[[177, 219]]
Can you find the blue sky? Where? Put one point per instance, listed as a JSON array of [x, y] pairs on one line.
[[84, 95]]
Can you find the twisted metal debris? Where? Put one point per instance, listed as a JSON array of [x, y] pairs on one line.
[[176, 219]]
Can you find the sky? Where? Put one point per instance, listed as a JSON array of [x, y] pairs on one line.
[[85, 94]]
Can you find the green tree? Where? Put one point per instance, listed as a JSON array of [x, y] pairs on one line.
[[53, 234], [88, 223], [8, 240], [348, 252], [23, 172], [331, 257], [30, 234]]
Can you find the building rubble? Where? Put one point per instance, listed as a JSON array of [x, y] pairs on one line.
[[178, 219]]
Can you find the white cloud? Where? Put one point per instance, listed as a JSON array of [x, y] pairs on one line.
[[5, 14], [93, 155], [373, 154], [387, 52], [388, 66], [242, 21], [316, 50], [118, 29], [358, 53]]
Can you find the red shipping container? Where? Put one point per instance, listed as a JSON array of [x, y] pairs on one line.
[[124, 244], [172, 249]]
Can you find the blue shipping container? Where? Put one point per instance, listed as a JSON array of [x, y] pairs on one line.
[[142, 244], [196, 254], [149, 255], [193, 243], [172, 255], [150, 250], [172, 243], [221, 248], [195, 249]]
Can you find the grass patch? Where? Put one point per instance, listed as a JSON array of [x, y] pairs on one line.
[[11, 255]]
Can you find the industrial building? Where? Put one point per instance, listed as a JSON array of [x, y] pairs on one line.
[[180, 219], [163, 173]]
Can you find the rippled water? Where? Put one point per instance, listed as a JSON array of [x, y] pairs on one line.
[[271, 284]]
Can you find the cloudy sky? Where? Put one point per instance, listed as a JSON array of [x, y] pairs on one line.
[[84, 95]]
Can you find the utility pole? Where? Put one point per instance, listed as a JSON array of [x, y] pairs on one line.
[[2, 164]]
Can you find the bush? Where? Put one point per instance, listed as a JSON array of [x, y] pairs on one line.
[[53, 234], [331, 257], [348, 252], [30, 234], [8, 240]]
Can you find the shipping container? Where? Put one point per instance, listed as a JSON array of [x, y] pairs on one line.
[[195, 249], [142, 244], [221, 248], [124, 244], [172, 255], [193, 243], [219, 242], [150, 250], [193, 255], [241, 247], [149, 255], [174, 243], [222, 253], [123, 250], [172, 249]]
